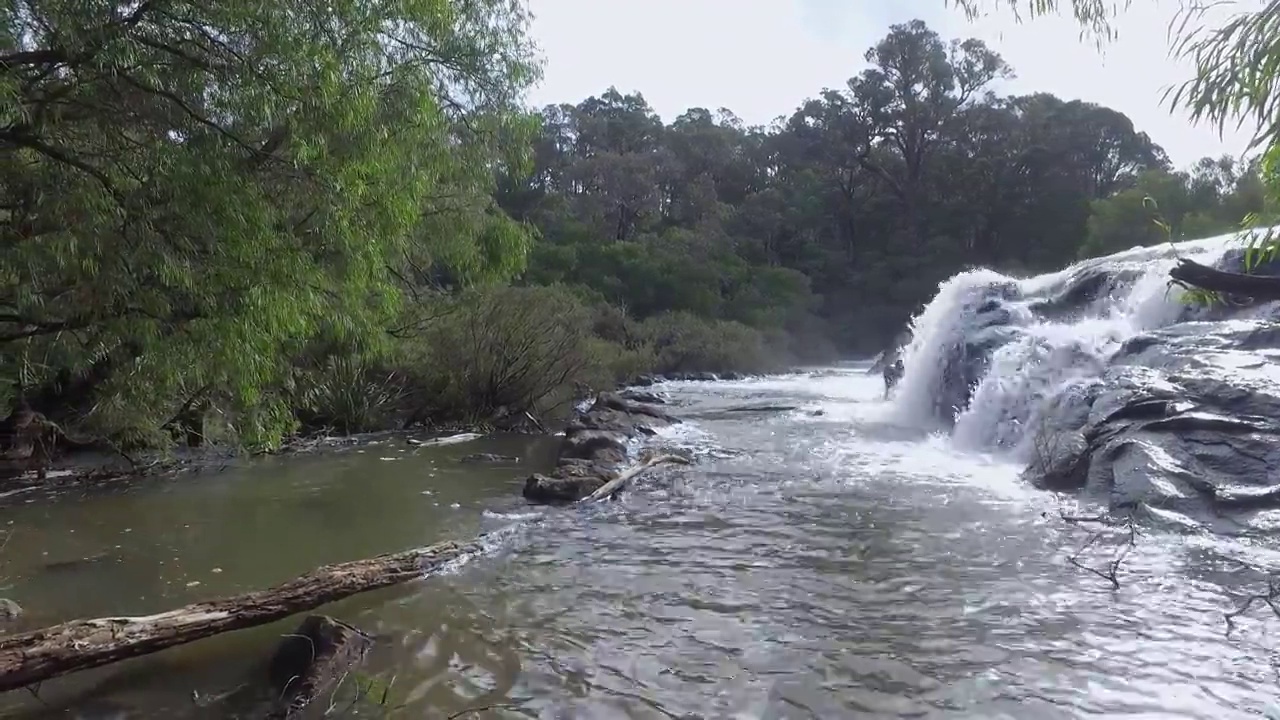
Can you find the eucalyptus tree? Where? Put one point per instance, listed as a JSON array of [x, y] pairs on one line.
[[1231, 44]]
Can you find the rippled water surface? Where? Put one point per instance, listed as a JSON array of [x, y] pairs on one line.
[[808, 566]]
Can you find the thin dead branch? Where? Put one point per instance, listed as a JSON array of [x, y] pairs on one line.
[[1270, 597], [1110, 571], [613, 486]]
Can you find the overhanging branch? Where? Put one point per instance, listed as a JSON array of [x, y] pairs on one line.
[[1194, 274]]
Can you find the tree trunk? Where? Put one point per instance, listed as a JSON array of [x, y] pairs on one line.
[[31, 657], [1258, 287]]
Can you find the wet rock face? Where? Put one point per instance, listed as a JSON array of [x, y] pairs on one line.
[[1185, 423], [989, 323], [595, 446]]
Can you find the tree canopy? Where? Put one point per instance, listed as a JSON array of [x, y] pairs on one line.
[[193, 191], [296, 215], [1236, 78], [842, 218]]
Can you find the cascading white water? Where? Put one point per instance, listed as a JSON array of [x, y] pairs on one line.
[[1027, 357]]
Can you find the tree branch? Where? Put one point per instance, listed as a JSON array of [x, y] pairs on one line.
[[1194, 274]]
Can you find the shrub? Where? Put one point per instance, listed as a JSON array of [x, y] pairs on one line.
[[683, 342], [499, 352], [348, 393]]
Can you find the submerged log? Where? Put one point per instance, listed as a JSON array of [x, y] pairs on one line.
[[1258, 287], [32, 657], [312, 661]]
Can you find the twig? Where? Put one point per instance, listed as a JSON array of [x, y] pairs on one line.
[[35, 693], [477, 709]]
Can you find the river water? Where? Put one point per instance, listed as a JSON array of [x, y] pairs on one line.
[[808, 566]]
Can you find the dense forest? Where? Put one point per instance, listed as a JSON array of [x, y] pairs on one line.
[[239, 223]]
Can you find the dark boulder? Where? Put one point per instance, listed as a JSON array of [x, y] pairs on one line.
[[1173, 433], [596, 443], [586, 444], [617, 403], [641, 396], [561, 487], [1082, 289]]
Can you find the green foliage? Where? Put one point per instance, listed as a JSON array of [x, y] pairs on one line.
[[683, 342], [836, 222], [192, 191], [1209, 200], [347, 392], [310, 217], [1094, 16], [497, 352], [1237, 78]]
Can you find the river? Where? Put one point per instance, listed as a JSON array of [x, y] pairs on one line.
[[808, 566]]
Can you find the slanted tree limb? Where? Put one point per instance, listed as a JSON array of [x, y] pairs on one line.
[[1194, 274], [32, 657], [614, 485], [1270, 598]]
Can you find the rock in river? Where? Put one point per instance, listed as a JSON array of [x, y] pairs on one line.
[[595, 445]]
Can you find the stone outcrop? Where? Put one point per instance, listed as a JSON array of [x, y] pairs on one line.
[[1180, 421], [595, 447], [1169, 429]]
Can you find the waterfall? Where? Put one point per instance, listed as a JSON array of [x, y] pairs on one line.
[[991, 352]]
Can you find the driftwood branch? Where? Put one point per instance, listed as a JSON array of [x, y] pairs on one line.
[[1270, 598], [613, 486], [32, 657], [1110, 572], [1194, 274]]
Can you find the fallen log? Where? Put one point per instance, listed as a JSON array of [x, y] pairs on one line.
[[31, 657], [616, 484], [1258, 287]]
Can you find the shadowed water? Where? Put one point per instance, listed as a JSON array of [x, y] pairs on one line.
[[809, 566]]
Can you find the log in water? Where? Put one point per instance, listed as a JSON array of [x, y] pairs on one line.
[[32, 657]]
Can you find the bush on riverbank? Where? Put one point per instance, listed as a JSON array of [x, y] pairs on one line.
[[486, 356], [683, 342]]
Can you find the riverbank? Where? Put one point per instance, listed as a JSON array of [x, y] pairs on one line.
[[629, 418], [501, 360]]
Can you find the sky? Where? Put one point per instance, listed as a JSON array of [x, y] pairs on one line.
[[763, 58]]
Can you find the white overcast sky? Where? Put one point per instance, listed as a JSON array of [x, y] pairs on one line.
[[762, 58]]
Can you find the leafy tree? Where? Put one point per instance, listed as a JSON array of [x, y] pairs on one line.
[[1235, 77], [299, 216], [192, 190], [841, 219]]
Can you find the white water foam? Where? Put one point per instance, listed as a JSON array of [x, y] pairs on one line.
[[1046, 356]]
